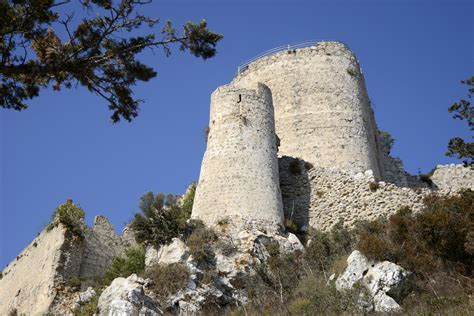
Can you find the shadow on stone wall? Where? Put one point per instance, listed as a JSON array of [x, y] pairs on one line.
[[295, 190]]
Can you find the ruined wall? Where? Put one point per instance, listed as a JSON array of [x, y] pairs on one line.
[[320, 197], [29, 283], [239, 172], [322, 110], [33, 283], [101, 245], [453, 177]]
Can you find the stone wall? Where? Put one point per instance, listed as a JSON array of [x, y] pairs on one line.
[[239, 172], [322, 111], [29, 283], [101, 245], [32, 284], [320, 197], [453, 177]]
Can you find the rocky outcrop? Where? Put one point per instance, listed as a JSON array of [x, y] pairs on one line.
[[127, 296], [384, 281], [235, 255], [174, 252]]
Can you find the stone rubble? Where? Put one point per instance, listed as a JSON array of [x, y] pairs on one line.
[[384, 280], [127, 296]]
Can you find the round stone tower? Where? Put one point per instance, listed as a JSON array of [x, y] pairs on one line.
[[239, 174], [322, 111]]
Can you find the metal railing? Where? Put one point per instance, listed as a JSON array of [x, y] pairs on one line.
[[242, 67]]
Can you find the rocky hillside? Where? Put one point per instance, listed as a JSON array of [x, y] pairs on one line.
[[412, 262]]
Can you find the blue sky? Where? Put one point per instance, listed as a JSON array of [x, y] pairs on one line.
[[413, 54]]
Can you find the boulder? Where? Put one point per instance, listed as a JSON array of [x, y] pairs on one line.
[[383, 280], [174, 252], [127, 296]]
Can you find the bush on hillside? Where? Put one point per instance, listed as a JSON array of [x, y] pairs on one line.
[[70, 216], [133, 261], [168, 279], [440, 234], [199, 239], [435, 245], [162, 218], [325, 249]]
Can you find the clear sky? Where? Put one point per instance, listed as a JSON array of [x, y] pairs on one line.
[[413, 53]]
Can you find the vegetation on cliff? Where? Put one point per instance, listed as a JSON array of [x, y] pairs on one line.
[[70, 216]]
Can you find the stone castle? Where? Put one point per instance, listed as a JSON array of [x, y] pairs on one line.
[[294, 136]]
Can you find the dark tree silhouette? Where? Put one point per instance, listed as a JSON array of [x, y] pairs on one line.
[[463, 110], [99, 53]]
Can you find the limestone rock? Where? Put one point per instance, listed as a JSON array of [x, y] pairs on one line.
[[175, 252], [86, 296], [127, 297], [383, 280], [357, 266]]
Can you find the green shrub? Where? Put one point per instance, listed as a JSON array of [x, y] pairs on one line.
[[314, 296], [373, 186], [168, 279], [162, 218], [90, 308], [434, 244], [439, 233], [133, 261], [291, 226], [199, 240], [70, 216], [326, 248]]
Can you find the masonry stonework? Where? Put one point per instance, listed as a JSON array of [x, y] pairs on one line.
[[33, 283], [239, 173], [334, 164], [322, 111]]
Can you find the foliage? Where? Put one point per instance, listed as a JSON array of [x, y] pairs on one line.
[[291, 226], [296, 283], [168, 279], [463, 110], [441, 234], [91, 308], [132, 262], [70, 216], [162, 217], [98, 52], [199, 240], [373, 186], [314, 296], [435, 245], [387, 141], [326, 248]]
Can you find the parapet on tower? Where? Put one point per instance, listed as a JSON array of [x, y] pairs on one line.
[[322, 111], [239, 173]]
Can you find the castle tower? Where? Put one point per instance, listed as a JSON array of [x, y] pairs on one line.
[[322, 111], [239, 173]]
